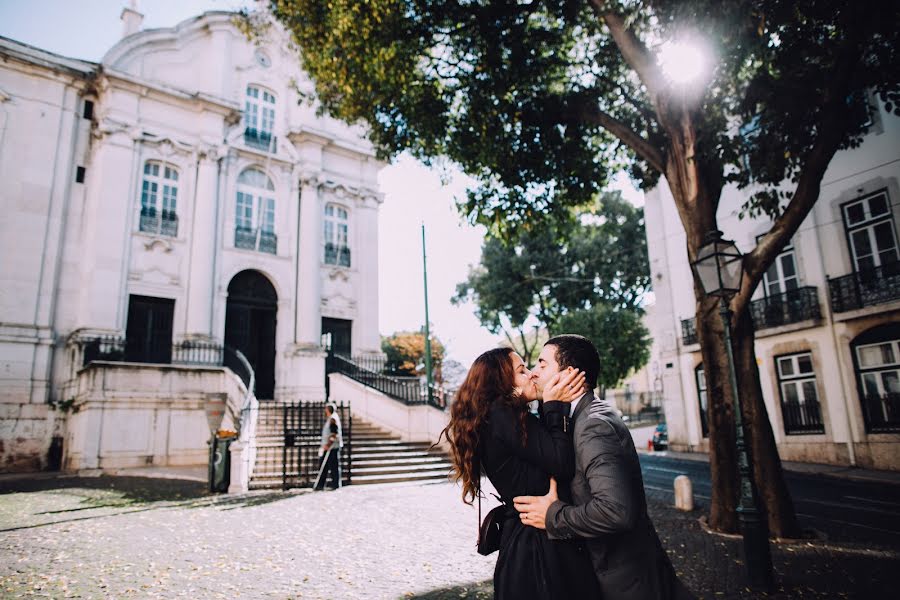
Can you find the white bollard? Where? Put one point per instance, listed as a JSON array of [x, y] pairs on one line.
[[684, 493]]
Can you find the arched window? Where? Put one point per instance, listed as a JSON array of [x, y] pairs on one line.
[[159, 199], [337, 248], [254, 220], [259, 118], [876, 358]]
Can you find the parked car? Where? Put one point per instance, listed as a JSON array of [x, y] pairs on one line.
[[661, 437]]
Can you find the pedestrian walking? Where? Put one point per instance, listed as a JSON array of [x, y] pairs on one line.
[[330, 450]]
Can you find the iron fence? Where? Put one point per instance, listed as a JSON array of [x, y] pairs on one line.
[[289, 437], [197, 352], [409, 390], [882, 412], [865, 288], [793, 306], [802, 418]]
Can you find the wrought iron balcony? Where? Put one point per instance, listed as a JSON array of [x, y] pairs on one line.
[[793, 306], [802, 418], [163, 223], [255, 239], [337, 255], [689, 331], [882, 413], [268, 242], [865, 288], [261, 140]]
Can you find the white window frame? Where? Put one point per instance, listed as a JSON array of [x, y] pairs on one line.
[[796, 380], [868, 223], [881, 369], [335, 231], [159, 196], [259, 109], [256, 204]]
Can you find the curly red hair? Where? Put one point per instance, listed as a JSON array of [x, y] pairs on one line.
[[491, 379]]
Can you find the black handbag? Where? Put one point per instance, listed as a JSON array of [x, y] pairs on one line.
[[491, 529]]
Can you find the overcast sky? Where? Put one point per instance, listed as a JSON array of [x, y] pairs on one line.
[[414, 194]]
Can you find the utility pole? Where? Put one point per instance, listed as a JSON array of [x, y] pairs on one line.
[[428, 377]]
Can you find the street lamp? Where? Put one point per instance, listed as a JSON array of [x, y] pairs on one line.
[[719, 266]]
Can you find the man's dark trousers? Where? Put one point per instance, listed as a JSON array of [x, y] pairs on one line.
[[330, 457]]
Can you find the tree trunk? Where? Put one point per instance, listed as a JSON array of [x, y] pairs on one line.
[[719, 418], [774, 497]]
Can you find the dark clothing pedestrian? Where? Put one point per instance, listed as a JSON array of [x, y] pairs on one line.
[[530, 565], [330, 453], [609, 510]]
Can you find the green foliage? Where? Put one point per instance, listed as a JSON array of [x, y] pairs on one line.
[[620, 336], [525, 285], [532, 98], [406, 349]]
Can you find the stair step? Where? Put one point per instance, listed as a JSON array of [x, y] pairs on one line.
[[399, 460], [398, 469], [400, 477]]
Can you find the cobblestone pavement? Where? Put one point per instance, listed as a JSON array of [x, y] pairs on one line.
[[139, 538]]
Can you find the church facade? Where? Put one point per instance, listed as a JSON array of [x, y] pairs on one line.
[[178, 198]]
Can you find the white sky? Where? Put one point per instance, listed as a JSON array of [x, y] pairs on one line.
[[414, 194]]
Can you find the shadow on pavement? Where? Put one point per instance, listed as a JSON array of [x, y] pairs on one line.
[[471, 591], [129, 489]]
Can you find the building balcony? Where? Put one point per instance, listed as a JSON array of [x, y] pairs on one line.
[[255, 239], [802, 418], [261, 140], [163, 223], [337, 255], [865, 288], [882, 412], [793, 306]]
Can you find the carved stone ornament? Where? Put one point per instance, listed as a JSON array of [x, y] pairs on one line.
[[160, 244]]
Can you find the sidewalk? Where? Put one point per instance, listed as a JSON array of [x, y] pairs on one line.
[[838, 471]]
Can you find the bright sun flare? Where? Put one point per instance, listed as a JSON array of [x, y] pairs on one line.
[[683, 61]]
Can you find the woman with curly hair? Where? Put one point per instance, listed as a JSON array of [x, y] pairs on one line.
[[491, 432]]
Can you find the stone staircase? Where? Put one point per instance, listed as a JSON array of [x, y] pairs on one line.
[[377, 456]]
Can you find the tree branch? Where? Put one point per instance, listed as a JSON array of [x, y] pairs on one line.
[[642, 147], [831, 128], [633, 49]]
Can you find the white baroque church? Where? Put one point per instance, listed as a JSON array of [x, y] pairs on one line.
[[179, 197]]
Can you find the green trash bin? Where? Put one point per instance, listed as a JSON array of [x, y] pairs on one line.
[[220, 463]]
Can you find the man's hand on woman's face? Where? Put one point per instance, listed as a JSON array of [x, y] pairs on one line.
[[565, 386]]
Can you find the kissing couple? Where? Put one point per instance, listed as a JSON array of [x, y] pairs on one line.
[[573, 521]]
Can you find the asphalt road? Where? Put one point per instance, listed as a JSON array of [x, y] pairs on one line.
[[840, 508]]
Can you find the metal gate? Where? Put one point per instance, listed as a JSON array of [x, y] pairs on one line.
[[302, 428]]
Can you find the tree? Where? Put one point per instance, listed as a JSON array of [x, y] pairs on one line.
[[620, 336], [541, 101], [405, 351], [526, 283]]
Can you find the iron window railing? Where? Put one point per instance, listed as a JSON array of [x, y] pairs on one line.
[[792, 306], [865, 288], [689, 331], [337, 255], [163, 222], [882, 412], [255, 239], [802, 417], [261, 140]]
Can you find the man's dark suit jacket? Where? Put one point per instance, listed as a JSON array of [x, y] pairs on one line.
[[609, 510]]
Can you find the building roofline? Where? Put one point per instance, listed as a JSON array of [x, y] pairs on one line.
[[44, 58]]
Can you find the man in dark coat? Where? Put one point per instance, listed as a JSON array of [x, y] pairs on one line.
[[609, 509]]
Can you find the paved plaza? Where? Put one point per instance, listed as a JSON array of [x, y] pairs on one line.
[[129, 537]]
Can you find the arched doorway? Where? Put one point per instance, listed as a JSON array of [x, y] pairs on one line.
[[250, 326]]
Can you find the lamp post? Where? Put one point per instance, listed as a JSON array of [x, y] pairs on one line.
[[719, 266]]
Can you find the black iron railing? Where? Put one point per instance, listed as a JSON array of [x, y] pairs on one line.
[[882, 413], [409, 390], [689, 331], [255, 239], [865, 288], [261, 140], [802, 418], [104, 347], [793, 306], [164, 223], [337, 255]]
